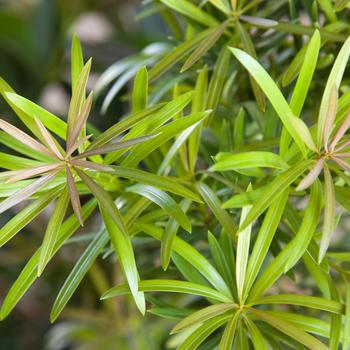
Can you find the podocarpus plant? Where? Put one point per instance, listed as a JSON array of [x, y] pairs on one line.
[[214, 146]]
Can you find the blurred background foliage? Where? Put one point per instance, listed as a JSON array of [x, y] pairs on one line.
[[35, 39]]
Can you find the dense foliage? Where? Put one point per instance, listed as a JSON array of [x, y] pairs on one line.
[[225, 189]]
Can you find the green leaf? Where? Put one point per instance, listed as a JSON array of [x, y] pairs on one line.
[[329, 213], [229, 332], [125, 124], [264, 239], [221, 5], [307, 228], [25, 216], [140, 90], [78, 272], [77, 102], [273, 94], [205, 46], [52, 230], [166, 132], [50, 121], [248, 46], [214, 204], [289, 329], [123, 247], [306, 323], [191, 255], [203, 315], [165, 183], [346, 332], [203, 332], [119, 236], [227, 161], [164, 201], [243, 243], [77, 60], [257, 338], [177, 54], [29, 273], [302, 300], [198, 104], [194, 12], [171, 286], [301, 88], [170, 231], [333, 81], [279, 184]]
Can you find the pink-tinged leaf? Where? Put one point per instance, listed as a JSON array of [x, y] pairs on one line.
[[91, 165], [115, 146], [77, 144], [340, 132], [331, 113], [74, 196], [344, 145], [342, 163], [309, 179], [24, 138], [80, 122], [27, 191], [77, 101], [329, 213], [18, 175], [48, 139]]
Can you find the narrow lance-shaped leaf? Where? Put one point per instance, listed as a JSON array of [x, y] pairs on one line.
[[140, 90], [248, 46], [25, 216], [333, 81], [29, 273], [119, 236], [18, 175], [308, 226], [77, 101], [77, 60], [114, 146], [205, 46], [76, 275], [264, 239], [203, 315], [79, 125], [329, 213], [257, 338], [331, 114], [340, 133], [52, 230], [311, 177], [198, 104], [243, 243], [74, 196], [192, 11], [164, 201], [51, 122], [49, 140], [26, 192], [214, 204], [203, 332], [346, 332], [303, 83], [289, 329], [227, 161], [278, 185], [24, 138], [272, 92], [169, 234], [226, 341], [171, 286]]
